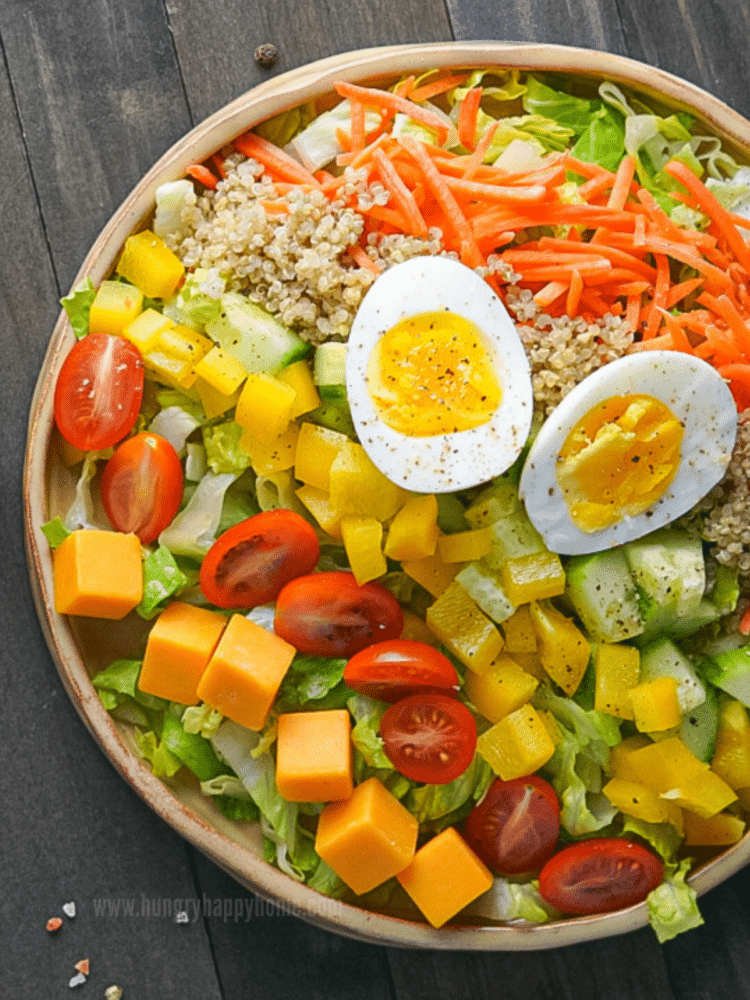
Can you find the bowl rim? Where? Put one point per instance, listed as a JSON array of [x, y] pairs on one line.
[[270, 97]]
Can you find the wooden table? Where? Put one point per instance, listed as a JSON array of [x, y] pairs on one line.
[[90, 96]]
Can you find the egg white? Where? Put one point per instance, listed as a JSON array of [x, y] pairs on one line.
[[440, 463], [695, 393]]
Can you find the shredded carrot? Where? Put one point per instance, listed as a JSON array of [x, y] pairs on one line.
[[467, 118], [681, 291], [661, 290], [405, 87], [574, 293], [358, 127], [623, 179], [203, 175], [275, 160], [401, 194], [639, 233], [551, 291], [218, 161], [474, 162], [384, 99], [679, 339], [662, 343], [360, 258], [428, 90], [725, 308]]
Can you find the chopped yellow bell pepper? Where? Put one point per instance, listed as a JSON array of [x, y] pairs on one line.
[[271, 456], [221, 371], [618, 670], [715, 831], [655, 705], [317, 447], [184, 344], [357, 486], [666, 764], [115, 305], [214, 403], [150, 265], [415, 629], [517, 745], [519, 632], [501, 689], [431, 573], [363, 538], [705, 794], [533, 577], [563, 649], [319, 504], [264, 406], [732, 756], [465, 546], [299, 377], [464, 629], [413, 533], [619, 757], [635, 799], [145, 329]]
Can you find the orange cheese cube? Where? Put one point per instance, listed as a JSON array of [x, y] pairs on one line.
[[367, 839], [445, 876], [179, 647], [98, 574], [245, 671], [314, 756]]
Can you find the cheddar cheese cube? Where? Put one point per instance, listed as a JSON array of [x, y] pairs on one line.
[[243, 675], [445, 876], [98, 574], [314, 756], [179, 647], [367, 839]]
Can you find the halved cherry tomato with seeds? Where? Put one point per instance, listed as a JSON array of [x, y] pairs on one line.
[[514, 829], [251, 562], [141, 486], [98, 392], [429, 737], [600, 875], [330, 614], [400, 667]]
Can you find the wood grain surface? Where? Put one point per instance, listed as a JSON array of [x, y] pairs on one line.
[[90, 96]]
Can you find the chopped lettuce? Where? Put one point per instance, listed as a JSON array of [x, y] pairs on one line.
[[510, 89], [202, 719], [442, 805], [577, 779], [55, 532], [176, 424], [663, 837], [223, 451], [81, 512], [575, 113], [77, 304], [283, 127], [162, 578], [194, 529], [164, 763], [171, 198], [673, 906], [318, 144], [512, 902], [313, 679], [366, 736], [192, 749], [199, 299]]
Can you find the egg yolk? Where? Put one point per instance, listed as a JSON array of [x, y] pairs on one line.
[[618, 460], [432, 374]]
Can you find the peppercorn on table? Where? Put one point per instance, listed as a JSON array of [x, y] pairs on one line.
[[101, 895]]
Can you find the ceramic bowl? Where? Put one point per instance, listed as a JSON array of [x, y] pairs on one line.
[[80, 647]]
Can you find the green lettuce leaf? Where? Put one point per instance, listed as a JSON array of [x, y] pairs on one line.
[[365, 734], [55, 532], [603, 140], [283, 127], [162, 578], [78, 306], [194, 529], [201, 719], [572, 112], [512, 901], [223, 452], [163, 762], [192, 749], [176, 424], [442, 805], [312, 679], [663, 837], [577, 779], [673, 905]]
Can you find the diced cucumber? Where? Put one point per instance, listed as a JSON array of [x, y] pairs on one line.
[[700, 726], [601, 589], [451, 514], [669, 567], [253, 336], [329, 370], [496, 501], [730, 671], [513, 536], [484, 587], [664, 659], [661, 621], [334, 414]]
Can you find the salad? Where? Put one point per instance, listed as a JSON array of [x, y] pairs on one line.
[[415, 431]]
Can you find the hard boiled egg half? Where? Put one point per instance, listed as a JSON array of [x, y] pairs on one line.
[[437, 377], [634, 445]]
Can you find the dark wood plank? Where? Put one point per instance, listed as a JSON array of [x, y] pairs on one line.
[[262, 952], [593, 24], [301, 30], [707, 43], [625, 967], [100, 99]]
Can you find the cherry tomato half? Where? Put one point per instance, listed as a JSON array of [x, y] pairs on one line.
[[399, 667], [251, 562], [141, 486], [429, 737], [99, 391], [515, 827], [600, 875], [330, 614]]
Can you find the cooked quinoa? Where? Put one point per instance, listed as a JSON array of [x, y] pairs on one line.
[[726, 508], [288, 252]]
